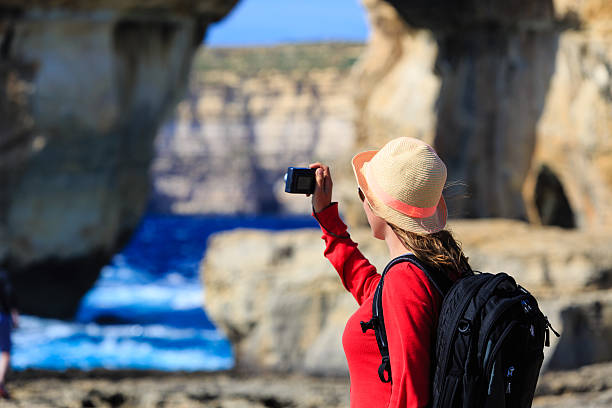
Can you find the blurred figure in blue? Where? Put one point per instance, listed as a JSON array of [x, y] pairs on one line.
[[9, 318]]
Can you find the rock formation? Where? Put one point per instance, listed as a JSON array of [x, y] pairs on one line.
[[283, 307], [516, 97], [589, 387], [249, 114], [586, 321], [85, 85], [523, 90]]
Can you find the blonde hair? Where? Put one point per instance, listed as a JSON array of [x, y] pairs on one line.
[[437, 251]]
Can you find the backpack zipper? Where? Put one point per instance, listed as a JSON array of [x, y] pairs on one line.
[[493, 353], [547, 325], [493, 317]]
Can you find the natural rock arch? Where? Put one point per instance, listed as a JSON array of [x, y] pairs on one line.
[[499, 89], [85, 86]]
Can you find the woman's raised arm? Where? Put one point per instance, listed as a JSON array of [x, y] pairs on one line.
[[358, 275]]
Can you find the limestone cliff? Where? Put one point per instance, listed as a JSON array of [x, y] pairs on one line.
[[249, 114], [85, 85], [283, 307], [515, 96]]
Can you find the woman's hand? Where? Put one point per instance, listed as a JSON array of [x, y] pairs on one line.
[[323, 187]]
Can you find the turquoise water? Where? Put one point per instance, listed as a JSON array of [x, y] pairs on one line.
[[145, 311]]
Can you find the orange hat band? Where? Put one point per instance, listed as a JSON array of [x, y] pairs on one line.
[[392, 202]]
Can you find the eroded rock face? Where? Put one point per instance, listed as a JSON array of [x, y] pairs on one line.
[[514, 96], [586, 321], [283, 307], [589, 387], [248, 115], [573, 156], [279, 303], [84, 91]]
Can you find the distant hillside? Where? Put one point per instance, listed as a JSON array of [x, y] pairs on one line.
[[297, 58], [248, 115]]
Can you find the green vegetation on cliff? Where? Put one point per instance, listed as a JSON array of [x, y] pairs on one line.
[[283, 58]]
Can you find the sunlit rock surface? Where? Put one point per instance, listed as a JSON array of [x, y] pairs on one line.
[[85, 85], [588, 387], [278, 300], [515, 96], [248, 115], [283, 307]]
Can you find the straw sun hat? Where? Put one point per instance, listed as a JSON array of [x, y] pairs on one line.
[[402, 183]]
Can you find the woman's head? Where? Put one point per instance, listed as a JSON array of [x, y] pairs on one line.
[[402, 183], [401, 189]]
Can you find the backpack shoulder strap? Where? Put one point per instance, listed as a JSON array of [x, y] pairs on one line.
[[377, 323], [440, 281]]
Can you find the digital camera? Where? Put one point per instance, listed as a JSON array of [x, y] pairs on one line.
[[299, 180]]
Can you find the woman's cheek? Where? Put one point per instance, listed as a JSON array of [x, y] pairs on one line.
[[377, 225]]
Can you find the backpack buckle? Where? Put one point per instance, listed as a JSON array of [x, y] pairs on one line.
[[365, 326]]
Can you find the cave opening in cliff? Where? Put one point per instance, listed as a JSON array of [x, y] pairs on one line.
[[552, 203]]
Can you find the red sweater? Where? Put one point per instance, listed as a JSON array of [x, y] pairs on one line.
[[411, 306]]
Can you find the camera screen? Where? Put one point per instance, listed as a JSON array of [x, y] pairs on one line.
[[304, 183]]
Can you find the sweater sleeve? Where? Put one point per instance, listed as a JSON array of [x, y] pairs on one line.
[[358, 275], [410, 309]]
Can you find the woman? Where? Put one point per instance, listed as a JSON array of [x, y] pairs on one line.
[[401, 189]]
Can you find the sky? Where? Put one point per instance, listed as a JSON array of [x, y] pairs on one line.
[[270, 22]]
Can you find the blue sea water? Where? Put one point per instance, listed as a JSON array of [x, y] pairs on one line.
[[145, 311]]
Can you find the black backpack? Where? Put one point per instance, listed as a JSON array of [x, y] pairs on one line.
[[489, 344]]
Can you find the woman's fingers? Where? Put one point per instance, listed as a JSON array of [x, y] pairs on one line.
[[320, 178], [318, 165], [328, 183], [327, 180], [323, 186], [314, 166], [321, 175]]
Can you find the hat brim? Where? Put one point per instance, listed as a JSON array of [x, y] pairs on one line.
[[428, 225]]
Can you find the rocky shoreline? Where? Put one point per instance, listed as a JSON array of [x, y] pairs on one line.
[[120, 388], [588, 387], [283, 308]]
